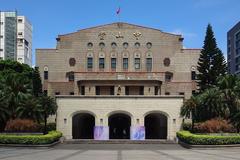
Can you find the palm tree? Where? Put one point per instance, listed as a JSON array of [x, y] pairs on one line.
[[16, 88], [211, 105], [30, 109], [49, 107], [235, 120], [189, 109], [230, 88]]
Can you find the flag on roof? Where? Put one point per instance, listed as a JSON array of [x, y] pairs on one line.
[[119, 10]]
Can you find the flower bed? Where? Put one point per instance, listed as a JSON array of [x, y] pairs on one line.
[[200, 139], [49, 138]]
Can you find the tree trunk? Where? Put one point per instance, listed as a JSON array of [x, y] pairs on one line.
[[192, 124], [45, 124]]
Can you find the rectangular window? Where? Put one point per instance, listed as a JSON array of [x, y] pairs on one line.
[[149, 64], [141, 90], [57, 93], [45, 75], [71, 93], [71, 77], [113, 63], [125, 63], [137, 63], [193, 75], [167, 93], [20, 33], [156, 90], [1, 36], [89, 62], [126, 90], [82, 90], [112, 90], [97, 90], [101, 63], [181, 93]]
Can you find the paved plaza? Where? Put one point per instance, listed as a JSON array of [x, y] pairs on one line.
[[118, 152]]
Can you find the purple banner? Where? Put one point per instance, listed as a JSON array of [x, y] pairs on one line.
[[101, 133], [137, 133]]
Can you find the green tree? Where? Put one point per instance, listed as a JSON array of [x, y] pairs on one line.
[[30, 108], [37, 84], [49, 107], [211, 62], [189, 109]]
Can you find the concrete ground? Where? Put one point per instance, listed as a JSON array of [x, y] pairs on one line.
[[118, 152]]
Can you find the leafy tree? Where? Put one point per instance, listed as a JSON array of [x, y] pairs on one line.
[[235, 120], [37, 84], [49, 107], [30, 109], [211, 62], [189, 109]]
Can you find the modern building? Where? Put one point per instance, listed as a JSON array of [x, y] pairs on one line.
[[118, 81], [15, 38], [233, 47]]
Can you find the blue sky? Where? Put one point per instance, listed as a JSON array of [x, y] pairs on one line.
[[188, 17]]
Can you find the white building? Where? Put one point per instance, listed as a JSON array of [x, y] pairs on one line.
[[15, 38]]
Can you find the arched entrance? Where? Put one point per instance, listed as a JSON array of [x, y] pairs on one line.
[[155, 126], [83, 126], [119, 126]]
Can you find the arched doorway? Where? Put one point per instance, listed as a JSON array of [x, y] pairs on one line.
[[155, 126], [119, 126], [83, 126]]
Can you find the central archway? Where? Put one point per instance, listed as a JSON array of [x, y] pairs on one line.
[[83, 126], [119, 126], [155, 126]]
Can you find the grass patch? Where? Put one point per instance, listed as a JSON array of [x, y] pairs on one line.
[[202, 139], [49, 138]]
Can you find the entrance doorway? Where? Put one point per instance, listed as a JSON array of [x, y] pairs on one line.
[[83, 126], [119, 126], [155, 126]]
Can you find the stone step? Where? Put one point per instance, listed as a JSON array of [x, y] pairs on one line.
[[117, 141]]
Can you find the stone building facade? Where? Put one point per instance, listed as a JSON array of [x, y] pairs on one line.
[[117, 60]]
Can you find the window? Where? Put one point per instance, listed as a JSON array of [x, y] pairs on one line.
[[71, 76], [125, 45], [1, 23], [156, 90], [90, 63], [166, 62], [45, 75], [149, 45], [181, 93], [137, 45], [126, 90], [20, 20], [149, 64], [101, 63], [112, 90], [1, 36], [82, 90], [168, 76], [114, 45], [113, 63], [167, 93], [71, 93], [125, 63], [57, 93], [90, 45], [97, 90], [193, 75], [137, 63], [20, 33], [141, 90], [101, 45], [1, 49]]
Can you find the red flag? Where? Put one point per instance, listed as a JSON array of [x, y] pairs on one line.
[[119, 10]]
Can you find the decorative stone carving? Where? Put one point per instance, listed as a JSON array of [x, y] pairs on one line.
[[166, 62], [102, 35], [119, 35], [137, 35]]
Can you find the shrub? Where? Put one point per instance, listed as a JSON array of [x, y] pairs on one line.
[[187, 126], [214, 126], [50, 127], [194, 139], [21, 125], [51, 137]]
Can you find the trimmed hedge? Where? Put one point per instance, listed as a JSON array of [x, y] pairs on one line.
[[49, 138], [195, 139]]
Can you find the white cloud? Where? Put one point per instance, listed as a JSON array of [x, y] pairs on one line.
[[184, 34]]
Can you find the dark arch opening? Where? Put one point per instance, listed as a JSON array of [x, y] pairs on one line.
[[155, 126], [119, 126], [83, 126]]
